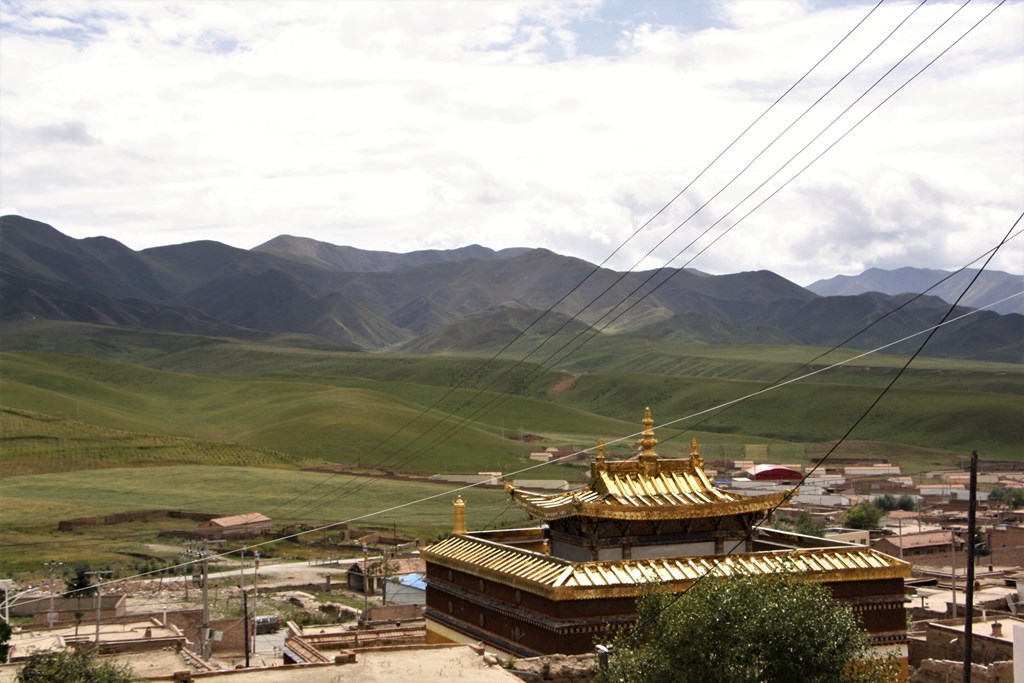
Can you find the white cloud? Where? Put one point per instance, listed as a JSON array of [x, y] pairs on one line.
[[408, 125], [745, 14]]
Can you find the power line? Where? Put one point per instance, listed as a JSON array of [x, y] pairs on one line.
[[597, 268], [448, 492], [484, 409], [931, 333]]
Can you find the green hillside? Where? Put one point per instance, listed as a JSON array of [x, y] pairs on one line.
[[442, 411], [100, 420]]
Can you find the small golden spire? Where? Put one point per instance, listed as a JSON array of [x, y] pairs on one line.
[[460, 516], [695, 458], [599, 464]]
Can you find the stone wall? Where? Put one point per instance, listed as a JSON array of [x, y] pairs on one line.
[[233, 636], [943, 642], [946, 671], [387, 613], [190, 623], [138, 516]]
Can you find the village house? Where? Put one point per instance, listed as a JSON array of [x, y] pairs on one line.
[[767, 472], [235, 526], [380, 571], [920, 547]]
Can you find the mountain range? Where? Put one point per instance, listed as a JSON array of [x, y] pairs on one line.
[[473, 298]]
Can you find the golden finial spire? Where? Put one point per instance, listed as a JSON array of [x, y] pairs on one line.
[[599, 464], [647, 441], [460, 516]]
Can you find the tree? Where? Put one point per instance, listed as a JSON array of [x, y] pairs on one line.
[[1011, 498], [906, 502], [80, 584], [71, 666], [862, 516], [5, 637], [771, 629], [807, 525], [886, 503]]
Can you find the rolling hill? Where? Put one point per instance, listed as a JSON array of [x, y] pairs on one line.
[[457, 300]]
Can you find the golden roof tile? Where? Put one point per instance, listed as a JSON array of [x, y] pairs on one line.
[[561, 579]]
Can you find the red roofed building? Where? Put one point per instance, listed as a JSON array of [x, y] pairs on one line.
[[236, 526], [773, 473]]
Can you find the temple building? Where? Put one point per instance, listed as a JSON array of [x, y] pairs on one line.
[[559, 586]]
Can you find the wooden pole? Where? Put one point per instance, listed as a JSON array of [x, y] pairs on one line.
[[971, 531], [245, 617]]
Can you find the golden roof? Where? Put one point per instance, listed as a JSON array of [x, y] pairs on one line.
[[645, 488], [561, 579]]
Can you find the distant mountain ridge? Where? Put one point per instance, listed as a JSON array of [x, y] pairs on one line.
[[468, 299], [353, 260], [992, 286]]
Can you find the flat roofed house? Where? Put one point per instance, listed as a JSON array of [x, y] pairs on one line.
[[600, 546], [919, 544]]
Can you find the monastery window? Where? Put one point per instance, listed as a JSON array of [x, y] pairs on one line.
[[483, 586], [519, 597], [451, 575], [517, 633], [451, 607], [482, 620]]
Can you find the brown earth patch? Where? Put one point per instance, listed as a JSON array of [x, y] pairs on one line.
[[564, 383]]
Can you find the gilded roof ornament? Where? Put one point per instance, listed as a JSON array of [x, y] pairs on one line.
[[647, 440], [648, 458], [647, 488], [695, 459], [459, 527], [599, 465]]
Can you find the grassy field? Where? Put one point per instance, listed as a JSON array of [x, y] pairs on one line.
[[32, 505], [223, 426]]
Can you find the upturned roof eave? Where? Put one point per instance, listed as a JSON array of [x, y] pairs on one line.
[[607, 510]]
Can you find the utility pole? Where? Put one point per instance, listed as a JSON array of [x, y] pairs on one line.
[[384, 570], [245, 618], [952, 553], [366, 580], [51, 566], [255, 592], [971, 527], [99, 599], [901, 537], [205, 635]]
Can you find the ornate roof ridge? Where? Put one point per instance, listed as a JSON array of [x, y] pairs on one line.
[[648, 487]]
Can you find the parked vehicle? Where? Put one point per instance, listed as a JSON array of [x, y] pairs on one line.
[[266, 624]]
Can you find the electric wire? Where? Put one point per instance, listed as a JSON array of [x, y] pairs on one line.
[[748, 214], [448, 492], [598, 267], [864, 414], [498, 400]]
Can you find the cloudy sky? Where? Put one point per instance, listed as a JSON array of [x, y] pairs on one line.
[[566, 125]]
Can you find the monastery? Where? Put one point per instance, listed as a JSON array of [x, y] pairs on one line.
[[558, 587]]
